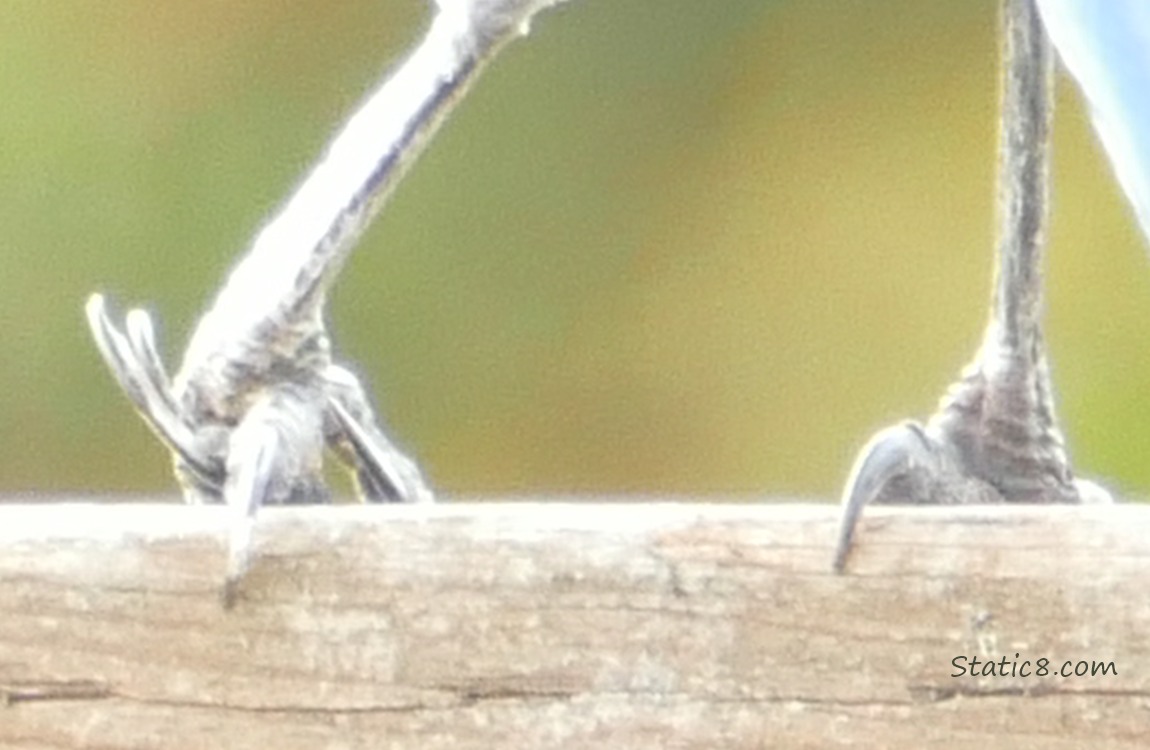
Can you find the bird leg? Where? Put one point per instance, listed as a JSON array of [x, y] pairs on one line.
[[257, 400], [995, 437]]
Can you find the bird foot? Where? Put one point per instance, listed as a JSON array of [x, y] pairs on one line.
[[994, 440]]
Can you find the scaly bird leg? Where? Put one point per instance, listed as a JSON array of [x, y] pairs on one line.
[[250, 410], [995, 437]]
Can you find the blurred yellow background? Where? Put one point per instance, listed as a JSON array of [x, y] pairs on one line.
[[664, 247]]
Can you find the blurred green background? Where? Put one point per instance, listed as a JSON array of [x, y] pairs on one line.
[[665, 246]]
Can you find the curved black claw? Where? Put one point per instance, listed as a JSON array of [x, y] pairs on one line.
[[902, 452]]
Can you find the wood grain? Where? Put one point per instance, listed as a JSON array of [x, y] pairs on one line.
[[571, 625]]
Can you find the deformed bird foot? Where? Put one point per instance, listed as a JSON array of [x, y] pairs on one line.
[[995, 437], [993, 440], [904, 464]]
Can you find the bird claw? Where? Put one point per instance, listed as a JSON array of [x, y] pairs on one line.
[[383, 473], [134, 362], [906, 465], [902, 453]]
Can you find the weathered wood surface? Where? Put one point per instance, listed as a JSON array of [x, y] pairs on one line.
[[534, 625]]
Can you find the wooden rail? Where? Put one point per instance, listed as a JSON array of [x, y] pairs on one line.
[[568, 625]]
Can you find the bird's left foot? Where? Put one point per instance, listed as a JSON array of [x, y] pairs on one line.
[[994, 439]]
